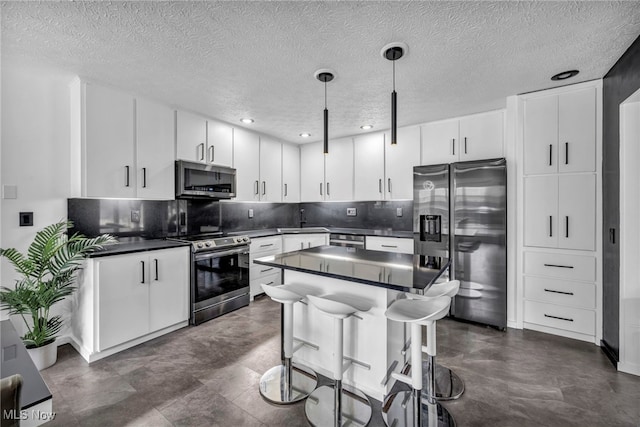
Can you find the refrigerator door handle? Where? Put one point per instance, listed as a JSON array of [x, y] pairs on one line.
[[550, 226], [453, 146]]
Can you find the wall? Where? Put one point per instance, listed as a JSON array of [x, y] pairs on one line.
[[34, 154], [620, 82]]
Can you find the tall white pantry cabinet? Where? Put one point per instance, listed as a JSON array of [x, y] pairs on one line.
[[559, 273]]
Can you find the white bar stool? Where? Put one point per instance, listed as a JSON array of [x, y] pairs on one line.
[[344, 405], [407, 408], [290, 382], [449, 385]]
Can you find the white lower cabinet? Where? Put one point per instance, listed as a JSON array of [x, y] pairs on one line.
[[560, 294], [124, 300], [389, 244], [296, 242], [262, 274]]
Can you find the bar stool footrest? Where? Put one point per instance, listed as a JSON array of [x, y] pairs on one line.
[[397, 410]]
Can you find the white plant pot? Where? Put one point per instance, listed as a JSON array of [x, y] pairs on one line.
[[44, 356]]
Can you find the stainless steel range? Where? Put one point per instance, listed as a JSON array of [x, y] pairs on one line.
[[219, 275]]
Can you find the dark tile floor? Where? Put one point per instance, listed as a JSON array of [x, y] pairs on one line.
[[208, 376]]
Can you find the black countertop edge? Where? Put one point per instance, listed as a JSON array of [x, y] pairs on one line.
[[334, 230], [136, 245], [335, 276]]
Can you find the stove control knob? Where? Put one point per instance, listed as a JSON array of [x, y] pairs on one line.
[[246, 239], [200, 245], [207, 244], [238, 239]]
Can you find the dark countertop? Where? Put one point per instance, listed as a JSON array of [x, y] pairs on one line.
[[336, 230], [136, 244], [400, 272], [16, 360]]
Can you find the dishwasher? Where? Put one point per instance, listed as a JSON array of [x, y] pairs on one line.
[[348, 240]]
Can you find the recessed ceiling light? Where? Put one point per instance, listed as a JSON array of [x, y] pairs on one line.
[[247, 121], [305, 135], [565, 75], [366, 127]]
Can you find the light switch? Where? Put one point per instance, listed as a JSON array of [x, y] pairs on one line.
[[9, 191], [398, 211], [26, 219], [351, 211], [250, 213]]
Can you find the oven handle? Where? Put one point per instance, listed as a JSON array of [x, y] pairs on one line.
[[218, 254]]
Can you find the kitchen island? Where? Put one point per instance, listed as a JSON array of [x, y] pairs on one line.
[[373, 344]]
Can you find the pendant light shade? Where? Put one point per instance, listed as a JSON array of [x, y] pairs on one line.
[[393, 52], [325, 76]]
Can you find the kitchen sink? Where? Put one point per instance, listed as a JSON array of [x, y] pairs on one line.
[[303, 230]]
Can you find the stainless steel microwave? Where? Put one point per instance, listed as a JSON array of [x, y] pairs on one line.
[[199, 180]]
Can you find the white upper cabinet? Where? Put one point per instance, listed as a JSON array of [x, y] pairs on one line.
[[219, 143], [154, 150], [247, 163], [108, 169], [475, 137], [560, 211], [290, 173], [369, 166], [560, 133], [191, 137], [577, 131], [339, 170], [270, 170], [312, 172], [482, 136], [399, 162], [440, 142]]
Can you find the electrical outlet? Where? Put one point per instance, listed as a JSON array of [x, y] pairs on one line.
[[250, 213], [351, 211], [135, 215], [398, 211], [26, 219]]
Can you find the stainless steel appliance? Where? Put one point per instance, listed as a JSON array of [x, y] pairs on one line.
[[219, 275], [199, 180], [460, 211], [348, 240]]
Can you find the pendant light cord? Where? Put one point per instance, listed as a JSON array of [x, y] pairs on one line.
[[325, 95], [394, 75]]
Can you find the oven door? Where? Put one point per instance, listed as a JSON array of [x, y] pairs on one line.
[[219, 275]]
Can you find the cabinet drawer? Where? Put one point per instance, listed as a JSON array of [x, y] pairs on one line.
[[262, 244], [258, 270], [269, 279], [561, 317], [562, 292], [389, 244], [562, 266]]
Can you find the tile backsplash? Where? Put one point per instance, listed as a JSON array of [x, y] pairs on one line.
[[161, 218]]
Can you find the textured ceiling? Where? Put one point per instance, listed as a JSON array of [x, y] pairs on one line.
[[256, 59]]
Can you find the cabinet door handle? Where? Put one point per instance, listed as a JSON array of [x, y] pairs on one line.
[[142, 268], [264, 187], [270, 283], [558, 292], [144, 177], [301, 245], [285, 189], [465, 145], [566, 225], [201, 145], [155, 260], [550, 154], [308, 244], [257, 187], [566, 153], [126, 176], [389, 184], [550, 226], [380, 185], [558, 265], [212, 154], [559, 318], [321, 189], [267, 269], [328, 189], [453, 146]]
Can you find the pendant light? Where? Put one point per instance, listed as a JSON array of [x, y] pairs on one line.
[[393, 52], [325, 76]]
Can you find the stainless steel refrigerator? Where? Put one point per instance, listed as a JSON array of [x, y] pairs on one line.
[[460, 211]]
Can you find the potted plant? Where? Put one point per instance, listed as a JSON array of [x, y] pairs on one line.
[[47, 275]]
